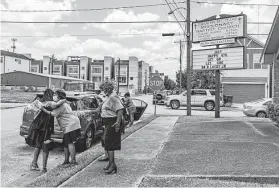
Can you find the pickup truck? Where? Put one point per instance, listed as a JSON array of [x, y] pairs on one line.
[[199, 97]]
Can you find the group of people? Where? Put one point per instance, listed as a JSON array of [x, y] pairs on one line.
[[54, 105]]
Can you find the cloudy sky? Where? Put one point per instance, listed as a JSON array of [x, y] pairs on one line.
[[116, 40]]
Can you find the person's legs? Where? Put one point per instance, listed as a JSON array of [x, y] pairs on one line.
[[67, 156], [131, 119], [72, 150], [112, 166], [45, 157], [34, 164]]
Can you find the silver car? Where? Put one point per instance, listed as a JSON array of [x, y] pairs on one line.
[[257, 108]]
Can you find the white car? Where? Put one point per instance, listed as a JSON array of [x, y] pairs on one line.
[[257, 108], [199, 97]]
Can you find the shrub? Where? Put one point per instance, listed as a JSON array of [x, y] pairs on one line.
[[273, 112]]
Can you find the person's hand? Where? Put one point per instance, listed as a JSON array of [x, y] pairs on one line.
[[116, 126]]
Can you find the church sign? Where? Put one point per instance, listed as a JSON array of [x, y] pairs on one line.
[[222, 28]]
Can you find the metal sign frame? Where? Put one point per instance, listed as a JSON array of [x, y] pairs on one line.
[[214, 18], [244, 58]]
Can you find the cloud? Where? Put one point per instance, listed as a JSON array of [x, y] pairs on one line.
[[254, 14]]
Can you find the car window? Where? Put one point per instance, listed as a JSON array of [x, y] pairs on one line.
[[199, 92], [74, 105], [90, 103], [212, 92], [138, 103]]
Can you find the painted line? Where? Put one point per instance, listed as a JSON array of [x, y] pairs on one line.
[[256, 130], [211, 176], [275, 144]]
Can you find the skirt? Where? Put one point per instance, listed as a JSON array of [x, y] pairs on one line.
[[112, 139], [71, 137], [37, 137]]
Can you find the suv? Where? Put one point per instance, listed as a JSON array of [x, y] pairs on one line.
[[84, 105], [161, 96], [199, 97]]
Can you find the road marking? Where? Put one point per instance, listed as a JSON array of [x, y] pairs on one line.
[[275, 144], [210, 176], [256, 130]]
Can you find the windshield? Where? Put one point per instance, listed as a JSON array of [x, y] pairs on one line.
[[258, 101]]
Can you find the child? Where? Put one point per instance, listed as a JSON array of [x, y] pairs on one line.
[[128, 103], [70, 124]]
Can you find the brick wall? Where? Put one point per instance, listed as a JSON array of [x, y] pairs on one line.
[[276, 82]]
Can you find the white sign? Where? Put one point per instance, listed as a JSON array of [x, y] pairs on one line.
[[222, 28], [217, 42], [222, 59]]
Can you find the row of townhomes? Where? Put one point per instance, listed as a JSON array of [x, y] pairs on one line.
[[134, 74]]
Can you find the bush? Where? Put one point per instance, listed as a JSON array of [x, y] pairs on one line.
[[273, 112]]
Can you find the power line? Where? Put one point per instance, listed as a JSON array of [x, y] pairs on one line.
[[238, 4], [175, 17], [90, 9], [85, 22]]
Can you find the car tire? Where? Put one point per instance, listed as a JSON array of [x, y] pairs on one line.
[[175, 104], [87, 141], [209, 105], [261, 114]]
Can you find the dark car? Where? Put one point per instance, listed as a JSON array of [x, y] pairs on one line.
[[161, 96], [91, 121]]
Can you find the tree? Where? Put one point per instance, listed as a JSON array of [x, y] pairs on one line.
[[169, 83], [201, 80]]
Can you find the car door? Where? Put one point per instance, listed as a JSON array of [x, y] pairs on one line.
[[183, 98], [200, 97], [140, 108]]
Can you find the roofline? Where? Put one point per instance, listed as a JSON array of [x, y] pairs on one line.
[[27, 58], [270, 33], [255, 40]]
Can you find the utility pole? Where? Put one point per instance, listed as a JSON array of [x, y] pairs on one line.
[[13, 46], [180, 61], [52, 62], [188, 59], [118, 76]]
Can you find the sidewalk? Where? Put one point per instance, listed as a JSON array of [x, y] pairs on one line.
[[11, 105], [134, 160]]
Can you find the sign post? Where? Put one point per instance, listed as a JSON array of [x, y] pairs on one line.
[[156, 83]]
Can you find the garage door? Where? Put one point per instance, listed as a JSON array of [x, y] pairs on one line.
[[244, 92]]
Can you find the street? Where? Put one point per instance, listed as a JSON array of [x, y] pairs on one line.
[[16, 155]]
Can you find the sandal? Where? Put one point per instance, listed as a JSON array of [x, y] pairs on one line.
[[65, 163], [44, 170]]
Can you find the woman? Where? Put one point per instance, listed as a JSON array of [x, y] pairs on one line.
[[112, 111], [41, 129], [70, 124]]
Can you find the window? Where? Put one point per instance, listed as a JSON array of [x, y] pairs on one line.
[[2, 59], [57, 69], [131, 78], [97, 70], [90, 103], [106, 68], [73, 76], [123, 79], [96, 78], [199, 92], [18, 61], [45, 68], [257, 66], [83, 68], [34, 68], [73, 69]]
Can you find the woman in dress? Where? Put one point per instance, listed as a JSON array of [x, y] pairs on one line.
[[112, 111], [41, 129], [70, 124]]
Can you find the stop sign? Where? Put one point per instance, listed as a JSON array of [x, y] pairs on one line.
[[156, 83]]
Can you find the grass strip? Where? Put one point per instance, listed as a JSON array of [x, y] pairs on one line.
[[60, 174]]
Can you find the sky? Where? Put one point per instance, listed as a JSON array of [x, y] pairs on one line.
[[149, 46]]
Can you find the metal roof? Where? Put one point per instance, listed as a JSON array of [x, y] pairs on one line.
[[12, 54]]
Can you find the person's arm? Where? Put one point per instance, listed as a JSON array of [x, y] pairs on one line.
[[118, 121], [52, 113], [54, 105]]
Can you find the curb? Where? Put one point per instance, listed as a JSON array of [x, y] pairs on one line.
[[60, 174]]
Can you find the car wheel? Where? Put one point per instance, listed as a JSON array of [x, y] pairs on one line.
[[209, 106], [89, 138], [261, 114], [153, 102], [174, 104], [159, 97]]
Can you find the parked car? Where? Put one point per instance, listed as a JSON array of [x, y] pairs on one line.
[[257, 108], [199, 97], [91, 122], [161, 96]]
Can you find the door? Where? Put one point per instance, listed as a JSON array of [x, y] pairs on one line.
[[140, 108], [183, 98]]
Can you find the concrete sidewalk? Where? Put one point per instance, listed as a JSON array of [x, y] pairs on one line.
[[134, 161], [11, 105]]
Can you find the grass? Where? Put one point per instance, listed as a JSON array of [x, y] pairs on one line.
[[60, 174]]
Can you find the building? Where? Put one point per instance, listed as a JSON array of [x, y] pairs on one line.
[[78, 67], [36, 66], [270, 56], [143, 81], [101, 70], [123, 75], [20, 78], [250, 83], [11, 61]]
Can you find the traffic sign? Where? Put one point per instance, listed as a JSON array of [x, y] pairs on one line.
[[156, 83]]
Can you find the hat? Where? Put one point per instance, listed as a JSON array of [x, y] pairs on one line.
[[61, 93]]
